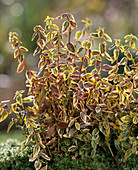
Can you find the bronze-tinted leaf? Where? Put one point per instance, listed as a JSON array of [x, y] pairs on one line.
[[51, 141], [63, 55], [20, 58], [72, 132], [111, 47], [92, 106], [88, 85], [123, 136], [34, 35], [114, 70], [55, 89], [20, 67], [62, 125], [51, 131], [73, 23], [106, 67], [37, 51], [23, 48], [41, 43], [29, 74], [16, 53], [71, 47]]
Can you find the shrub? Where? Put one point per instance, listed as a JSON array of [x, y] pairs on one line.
[[71, 107]]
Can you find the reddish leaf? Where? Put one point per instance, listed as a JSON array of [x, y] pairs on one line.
[[16, 52], [88, 85], [34, 35], [51, 131], [37, 51], [63, 55], [20, 67], [29, 74], [55, 89], [92, 107], [62, 125], [51, 141], [106, 67], [72, 131], [111, 47], [74, 24], [23, 48], [20, 58]]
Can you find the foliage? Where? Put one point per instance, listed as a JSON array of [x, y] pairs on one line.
[[11, 156], [100, 161], [69, 109]]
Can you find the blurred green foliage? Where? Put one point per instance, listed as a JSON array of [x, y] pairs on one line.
[[118, 16]]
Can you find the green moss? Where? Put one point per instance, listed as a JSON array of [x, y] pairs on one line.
[[12, 158]]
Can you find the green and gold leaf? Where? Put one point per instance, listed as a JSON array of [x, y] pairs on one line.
[[37, 164], [78, 35], [4, 116], [36, 150], [43, 155], [107, 38], [72, 148], [65, 26], [66, 74], [10, 125], [135, 119], [126, 119], [71, 47], [77, 125], [128, 153], [19, 100], [27, 100]]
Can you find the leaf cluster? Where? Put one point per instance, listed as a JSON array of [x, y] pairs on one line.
[[70, 109]]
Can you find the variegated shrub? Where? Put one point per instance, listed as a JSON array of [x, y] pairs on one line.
[[71, 106]]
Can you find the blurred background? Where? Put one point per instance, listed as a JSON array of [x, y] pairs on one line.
[[118, 17]]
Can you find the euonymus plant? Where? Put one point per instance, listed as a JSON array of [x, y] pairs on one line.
[[71, 106]]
